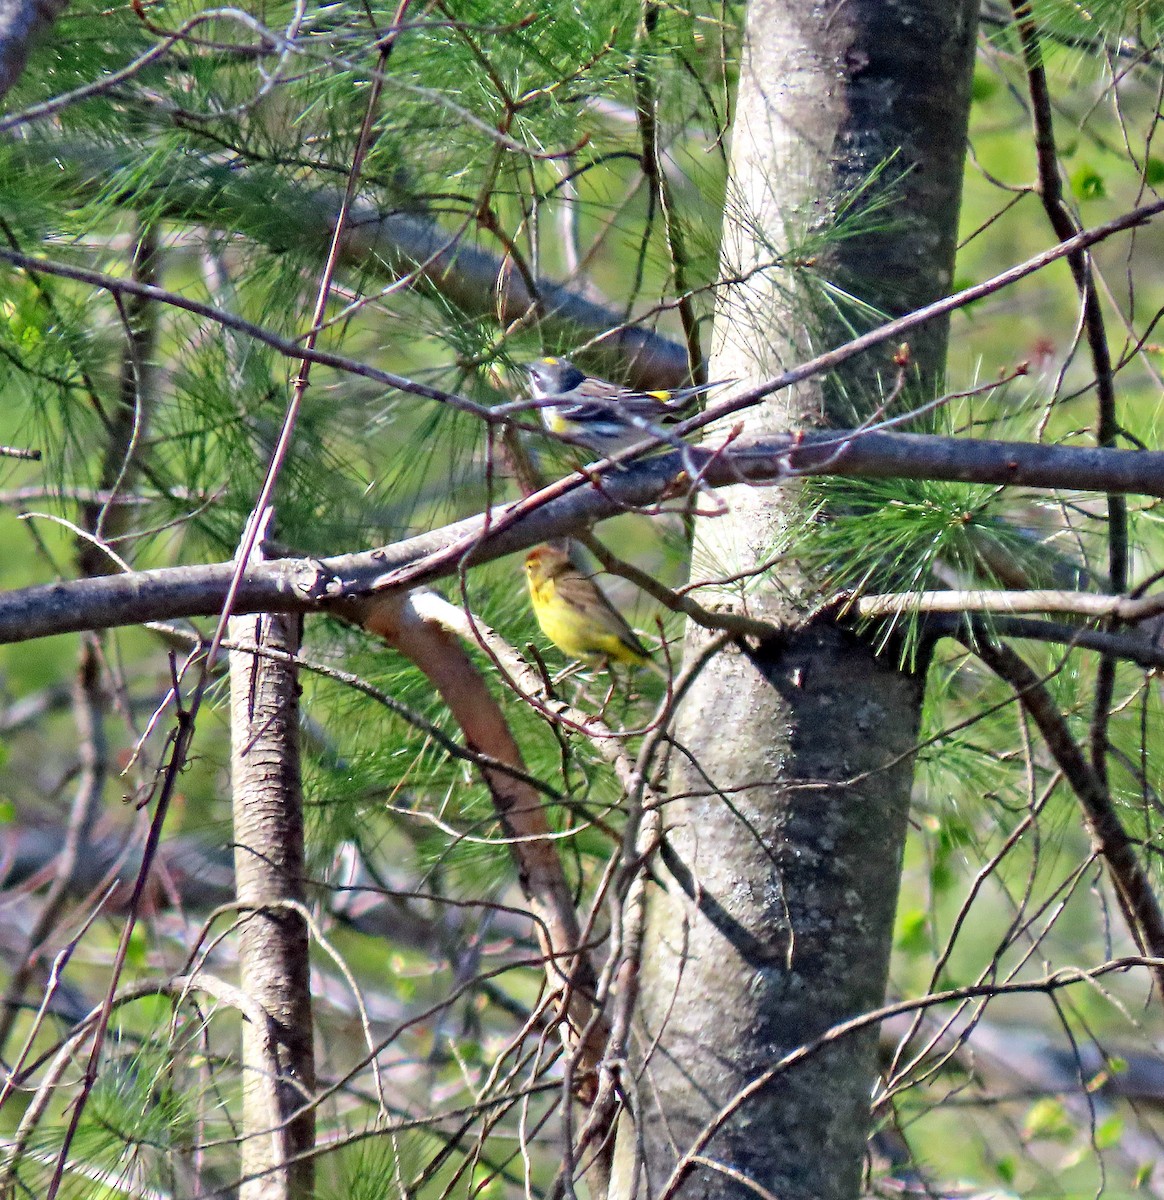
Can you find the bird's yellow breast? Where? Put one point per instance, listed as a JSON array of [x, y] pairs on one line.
[[557, 422], [585, 635]]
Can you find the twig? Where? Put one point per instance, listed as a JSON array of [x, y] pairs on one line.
[[1047, 985], [737, 623], [1133, 886], [891, 331], [1066, 227]]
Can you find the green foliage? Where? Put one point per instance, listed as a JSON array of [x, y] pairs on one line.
[[1138, 22], [923, 531], [149, 1103]]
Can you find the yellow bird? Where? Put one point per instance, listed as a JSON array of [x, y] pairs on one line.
[[575, 615]]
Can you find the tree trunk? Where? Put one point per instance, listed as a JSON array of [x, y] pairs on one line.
[[274, 968], [785, 836]]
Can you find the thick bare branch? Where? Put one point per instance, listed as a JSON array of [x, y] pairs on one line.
[[308, 585]]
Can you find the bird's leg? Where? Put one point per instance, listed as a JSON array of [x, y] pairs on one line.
[[609, 691]]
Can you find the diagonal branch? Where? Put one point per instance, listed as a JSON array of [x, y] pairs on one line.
[[404, 246], [1066, 226], [890, 332], [564, 508], [519, 807], [1138, 900]]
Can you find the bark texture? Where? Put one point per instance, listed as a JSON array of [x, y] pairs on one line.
[[21, 23], [278, 1060], [780, 872]]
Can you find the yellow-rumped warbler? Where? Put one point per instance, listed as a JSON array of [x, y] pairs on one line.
[[600, 415]]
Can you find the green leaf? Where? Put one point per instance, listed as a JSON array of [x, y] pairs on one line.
[[1048, 1119], [137, 953], [984, 86], [1109, 1132], [1087, 184], [913, 935], [942, 878]]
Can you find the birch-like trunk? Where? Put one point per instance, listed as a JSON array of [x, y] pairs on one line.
[[785, 836]]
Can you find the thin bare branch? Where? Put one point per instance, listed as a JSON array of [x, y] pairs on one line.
[[1133, 886]]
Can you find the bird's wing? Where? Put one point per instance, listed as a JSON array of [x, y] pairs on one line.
[[584, 593], [592, 410], [680, 396]]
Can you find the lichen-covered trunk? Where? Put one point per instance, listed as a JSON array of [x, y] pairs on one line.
[[779, 880]]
